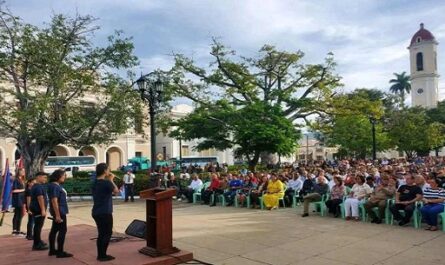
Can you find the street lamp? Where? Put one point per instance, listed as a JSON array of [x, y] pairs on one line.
[[150, 86], [373, 122]]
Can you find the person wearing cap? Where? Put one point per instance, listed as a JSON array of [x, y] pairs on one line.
[[58, 208], [38, 206]]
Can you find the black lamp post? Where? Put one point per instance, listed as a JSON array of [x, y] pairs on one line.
[[150, 86], [373, 122]]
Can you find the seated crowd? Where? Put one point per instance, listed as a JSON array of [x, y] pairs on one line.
[[356, 189]]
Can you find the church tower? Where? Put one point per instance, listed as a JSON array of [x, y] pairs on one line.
[[424, 77]]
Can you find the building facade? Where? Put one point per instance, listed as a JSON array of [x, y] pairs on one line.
[[115, 154], [167, 147], [311, 149]]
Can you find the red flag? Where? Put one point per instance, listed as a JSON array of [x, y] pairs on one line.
[[20, 164]]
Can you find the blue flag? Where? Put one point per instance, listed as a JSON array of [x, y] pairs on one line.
[[7, 188]]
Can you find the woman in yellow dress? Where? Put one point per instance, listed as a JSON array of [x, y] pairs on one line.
[[275, 191]]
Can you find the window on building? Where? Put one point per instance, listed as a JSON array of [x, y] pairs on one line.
[[435, 61], [208, 152], [138, 125], [164, 152], [185, 150], [419, 39], [138, 154], [419, 61]]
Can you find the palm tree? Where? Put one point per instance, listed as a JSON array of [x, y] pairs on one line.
[[401, 85]]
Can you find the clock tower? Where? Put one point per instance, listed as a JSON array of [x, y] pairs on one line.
[[424, 77]]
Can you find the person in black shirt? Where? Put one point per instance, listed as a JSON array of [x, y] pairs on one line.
[[38, 205], [406, 198], [58, 208], [102, 212], [18, 201], [30, 225]]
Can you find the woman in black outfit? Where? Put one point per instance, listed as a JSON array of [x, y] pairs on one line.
[[103, 189], [58, 207], [18, 201]]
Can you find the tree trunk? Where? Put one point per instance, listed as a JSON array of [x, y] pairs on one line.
[[268, 158], [34, 156], [254, 161]]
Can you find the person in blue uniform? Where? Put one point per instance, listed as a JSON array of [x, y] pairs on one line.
[[30, 226], [102, 212], [18, 201], [58, 208], [38, 206]]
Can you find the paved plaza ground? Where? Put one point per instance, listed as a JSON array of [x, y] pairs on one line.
[[241, 236]]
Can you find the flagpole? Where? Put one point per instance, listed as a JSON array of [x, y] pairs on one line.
[[6, 192]]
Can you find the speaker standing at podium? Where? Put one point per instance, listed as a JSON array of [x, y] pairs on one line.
[[103, 189]]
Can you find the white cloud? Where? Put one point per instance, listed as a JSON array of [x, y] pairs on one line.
[[369, 38]]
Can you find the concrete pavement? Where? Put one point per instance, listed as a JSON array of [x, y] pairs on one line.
[[227, 235]]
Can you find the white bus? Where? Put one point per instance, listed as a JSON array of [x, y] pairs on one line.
[[192, 160], [70, 164]]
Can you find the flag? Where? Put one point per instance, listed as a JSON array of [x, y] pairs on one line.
[[20, 163], [5, 199]]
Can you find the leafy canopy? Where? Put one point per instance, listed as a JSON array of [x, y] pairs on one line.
[[254, 100], [58, 88]]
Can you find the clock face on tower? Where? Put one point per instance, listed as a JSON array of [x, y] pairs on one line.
[[420, 91]]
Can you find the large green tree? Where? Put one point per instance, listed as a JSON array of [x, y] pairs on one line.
[[401, 85], [437, 114], [348, 125], [250, 130], [58, 88], [276, 82], [413, 132]]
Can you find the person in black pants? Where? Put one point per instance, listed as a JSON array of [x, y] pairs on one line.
[[18, 201], [406, 197], [102, 212], [38, 205], [129, 185], [58, 208], [30, 225]]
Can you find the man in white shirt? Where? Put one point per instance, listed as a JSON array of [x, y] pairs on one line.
[[129, 185], [196, 185], [294, 186]]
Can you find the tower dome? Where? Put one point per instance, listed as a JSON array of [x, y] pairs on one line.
[[422, 35]]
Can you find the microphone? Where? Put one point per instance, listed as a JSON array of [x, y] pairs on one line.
[[52, 218]]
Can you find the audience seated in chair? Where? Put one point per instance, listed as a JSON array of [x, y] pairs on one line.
[[255, 194], [234, 185], [406, 197], [379, 197], [294, 186], [214, 185], [320, 188], [195, 186], [275, 191], [336, 196], [433, 203], [249, 183], [359, 192]]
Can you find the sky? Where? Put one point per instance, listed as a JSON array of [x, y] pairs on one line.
[[369, 38]]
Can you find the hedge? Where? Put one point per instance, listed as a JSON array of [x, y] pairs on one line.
[[80, 183]]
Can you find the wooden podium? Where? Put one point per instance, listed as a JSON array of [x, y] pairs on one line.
[[159, 222]]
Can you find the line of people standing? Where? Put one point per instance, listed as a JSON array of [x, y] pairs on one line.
[[38, 195]]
